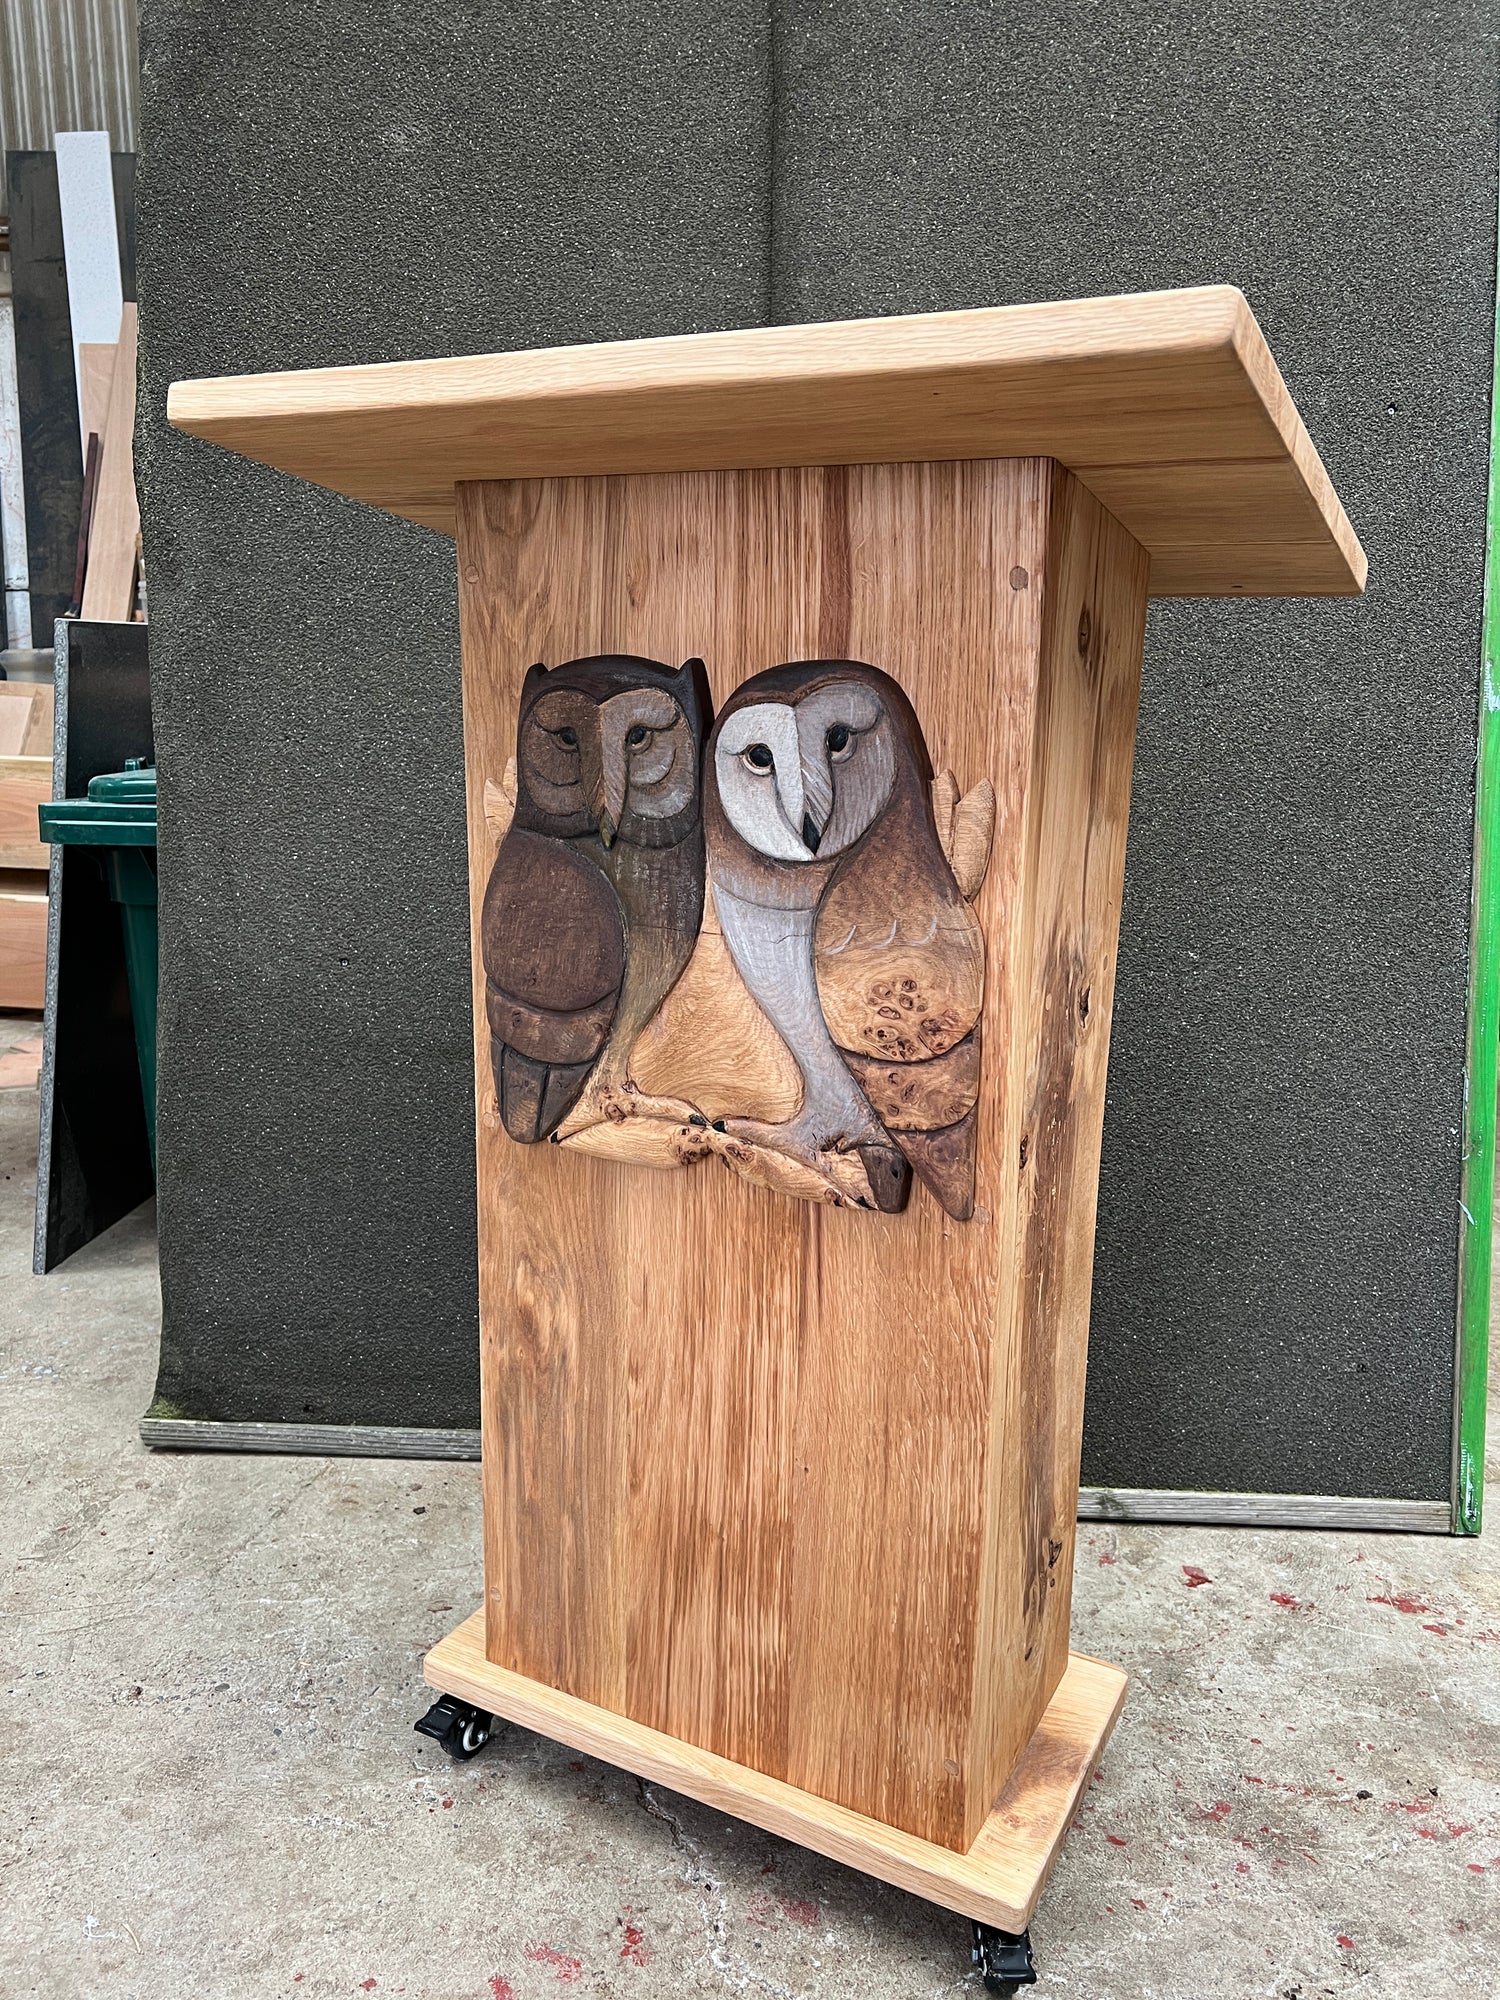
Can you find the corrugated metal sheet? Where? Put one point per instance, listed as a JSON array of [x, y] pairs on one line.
[[67, 66]]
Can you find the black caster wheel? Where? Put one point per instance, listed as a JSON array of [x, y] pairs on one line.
[[460, 1727], [1004, 1958]]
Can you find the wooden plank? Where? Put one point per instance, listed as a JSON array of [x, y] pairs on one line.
[[96, 367], [23, 939], [109, 586], [25, 719], [24, 783], [810, 1504], [998, 1880], [37, 742], [1171, 400]]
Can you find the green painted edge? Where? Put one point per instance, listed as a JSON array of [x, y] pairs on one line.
[[1477, 1222]]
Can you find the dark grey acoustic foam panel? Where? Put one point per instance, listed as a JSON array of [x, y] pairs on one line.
[[319, 188], [1274, 1302]]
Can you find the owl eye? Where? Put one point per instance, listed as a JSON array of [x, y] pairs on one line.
[[758, 756], [837, 738], [569, 737], [637, 736]]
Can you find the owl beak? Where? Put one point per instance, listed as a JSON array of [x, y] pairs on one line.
[[812, 833], [607, 792]]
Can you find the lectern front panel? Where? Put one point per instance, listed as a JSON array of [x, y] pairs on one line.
[[786, 1221]]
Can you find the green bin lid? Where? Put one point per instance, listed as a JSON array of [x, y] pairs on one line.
[[120, 811], [134, 786]]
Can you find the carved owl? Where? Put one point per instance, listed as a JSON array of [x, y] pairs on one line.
[[596, 895], [845, 920]]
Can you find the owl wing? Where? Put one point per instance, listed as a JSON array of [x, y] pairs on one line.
[[553, 943], [899, 957]]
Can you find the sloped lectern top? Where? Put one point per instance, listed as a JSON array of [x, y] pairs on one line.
[[1167, 405]]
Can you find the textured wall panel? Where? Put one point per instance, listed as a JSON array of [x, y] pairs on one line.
[[1275, 1287], [324, 183]]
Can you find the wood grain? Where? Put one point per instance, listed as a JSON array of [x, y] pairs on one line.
[[23, 939], [96, 367], [109, 585], [25, 782], [758, 1474], [26, 718], [1169, 405], [998, 1881]]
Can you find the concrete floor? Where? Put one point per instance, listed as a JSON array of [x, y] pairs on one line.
[[210, 1789]]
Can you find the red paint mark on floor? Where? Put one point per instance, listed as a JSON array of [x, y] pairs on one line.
[[799, 1910], [1194, 1576], [1457, 1830], [1115, 1840], [1427, 1833], [1286, 1600], [567, 1970], [577, 1764], [367, 1986], [1412, 1606], [1251, 1779], [1347, 1943], [1218, 1811], [761, 1908], [500, 1987], [1105, 1562], [1475, 1867], [1242, 1867], [1137, 1903], [446, 1804], [1441, 1630], [635, 1947], [1400, 1805]]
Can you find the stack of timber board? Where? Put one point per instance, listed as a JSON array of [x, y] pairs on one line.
[[108, 574], [25, 780]]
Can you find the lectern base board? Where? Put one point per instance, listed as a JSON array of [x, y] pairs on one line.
[[999, 1879]]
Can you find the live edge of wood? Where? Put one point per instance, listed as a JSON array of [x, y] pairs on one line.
[[999, 1879]]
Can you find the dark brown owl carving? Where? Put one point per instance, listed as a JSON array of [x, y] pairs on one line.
[[596, 895]]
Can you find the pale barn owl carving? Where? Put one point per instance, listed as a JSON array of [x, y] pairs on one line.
[[845, 920], [596, 896]]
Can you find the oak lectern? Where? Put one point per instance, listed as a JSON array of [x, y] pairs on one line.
[[800, 677]]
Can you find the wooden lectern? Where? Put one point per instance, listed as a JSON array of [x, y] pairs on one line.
[[800, 681]]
